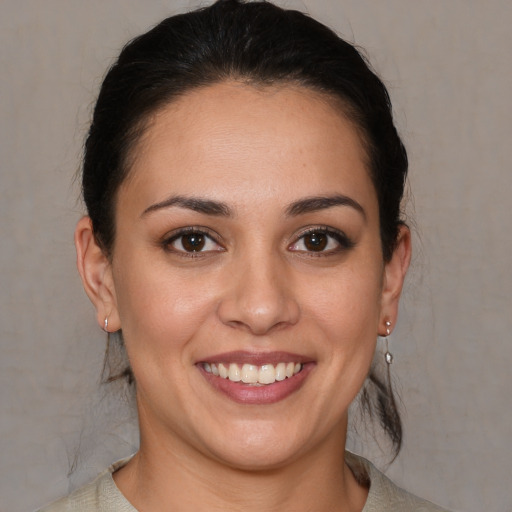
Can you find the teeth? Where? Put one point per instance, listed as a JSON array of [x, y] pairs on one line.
[[223, 371], [249, 374], [267, 374], [252, 374], [234, 375], [281, 371]]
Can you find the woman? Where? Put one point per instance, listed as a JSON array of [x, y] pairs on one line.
[[243, 180]]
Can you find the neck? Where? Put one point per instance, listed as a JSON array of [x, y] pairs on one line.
[[175, 476]]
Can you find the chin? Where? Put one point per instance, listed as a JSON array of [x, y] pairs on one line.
[[258, 458], [252, 447]]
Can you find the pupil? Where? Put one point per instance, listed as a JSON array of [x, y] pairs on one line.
[[193, 242], [316, 241]]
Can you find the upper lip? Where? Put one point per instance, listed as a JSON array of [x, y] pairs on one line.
[[256, 358]]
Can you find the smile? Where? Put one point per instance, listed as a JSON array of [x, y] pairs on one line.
[[256, 378], [256, 375]]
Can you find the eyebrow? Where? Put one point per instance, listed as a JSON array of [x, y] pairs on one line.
[[197, 204], [217, 208], [317, 203]]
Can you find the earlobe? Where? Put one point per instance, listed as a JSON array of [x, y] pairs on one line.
[[394, 275], [96, 273]]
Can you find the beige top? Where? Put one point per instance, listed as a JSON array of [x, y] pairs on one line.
[[102, 495]]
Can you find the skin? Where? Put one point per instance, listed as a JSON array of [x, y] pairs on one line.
[[256, 287]]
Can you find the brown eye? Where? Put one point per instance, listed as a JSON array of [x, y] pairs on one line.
[[193, 242], [323, 241], [316, 241]]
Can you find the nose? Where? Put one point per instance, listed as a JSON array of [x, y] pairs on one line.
[[259, 297]]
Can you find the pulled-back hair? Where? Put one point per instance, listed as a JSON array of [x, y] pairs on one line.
[[261, 44]]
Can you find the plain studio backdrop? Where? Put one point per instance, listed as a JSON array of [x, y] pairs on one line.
[[448, 68]]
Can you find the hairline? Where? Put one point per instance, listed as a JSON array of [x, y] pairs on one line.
[[135, 136]]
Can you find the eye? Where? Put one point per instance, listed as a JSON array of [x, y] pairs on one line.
[[190, 241], [321, 240]]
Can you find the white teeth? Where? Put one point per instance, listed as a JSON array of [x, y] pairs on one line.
[[252, 374], [281, 371], [234, 373], [249, 374], [267, 374], [223, 371]]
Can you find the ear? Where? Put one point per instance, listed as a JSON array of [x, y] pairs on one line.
[[394, 276], [96, 273]]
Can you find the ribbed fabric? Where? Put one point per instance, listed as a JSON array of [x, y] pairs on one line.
[[102, 495]]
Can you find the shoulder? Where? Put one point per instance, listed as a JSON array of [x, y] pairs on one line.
[[84, 499], [101, 495], [384, 495]]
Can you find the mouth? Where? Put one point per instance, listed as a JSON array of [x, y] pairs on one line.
[[255, 375], [256, 378]]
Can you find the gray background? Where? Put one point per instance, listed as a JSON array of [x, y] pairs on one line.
[[448, 66]]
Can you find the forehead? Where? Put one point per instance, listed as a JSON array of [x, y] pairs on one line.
[[217, 138]]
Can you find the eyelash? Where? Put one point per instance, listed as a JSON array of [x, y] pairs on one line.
[[343, 241], [199, 231]]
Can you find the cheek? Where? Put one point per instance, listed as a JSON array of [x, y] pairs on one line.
[[349, 298], [160, 310], [344, 310]]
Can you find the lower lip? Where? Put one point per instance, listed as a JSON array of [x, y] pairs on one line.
[[258, 395]]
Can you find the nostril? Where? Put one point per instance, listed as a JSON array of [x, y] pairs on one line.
[[259, 298], [258, 323]]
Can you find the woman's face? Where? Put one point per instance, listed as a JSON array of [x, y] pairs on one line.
[[247, 245]]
